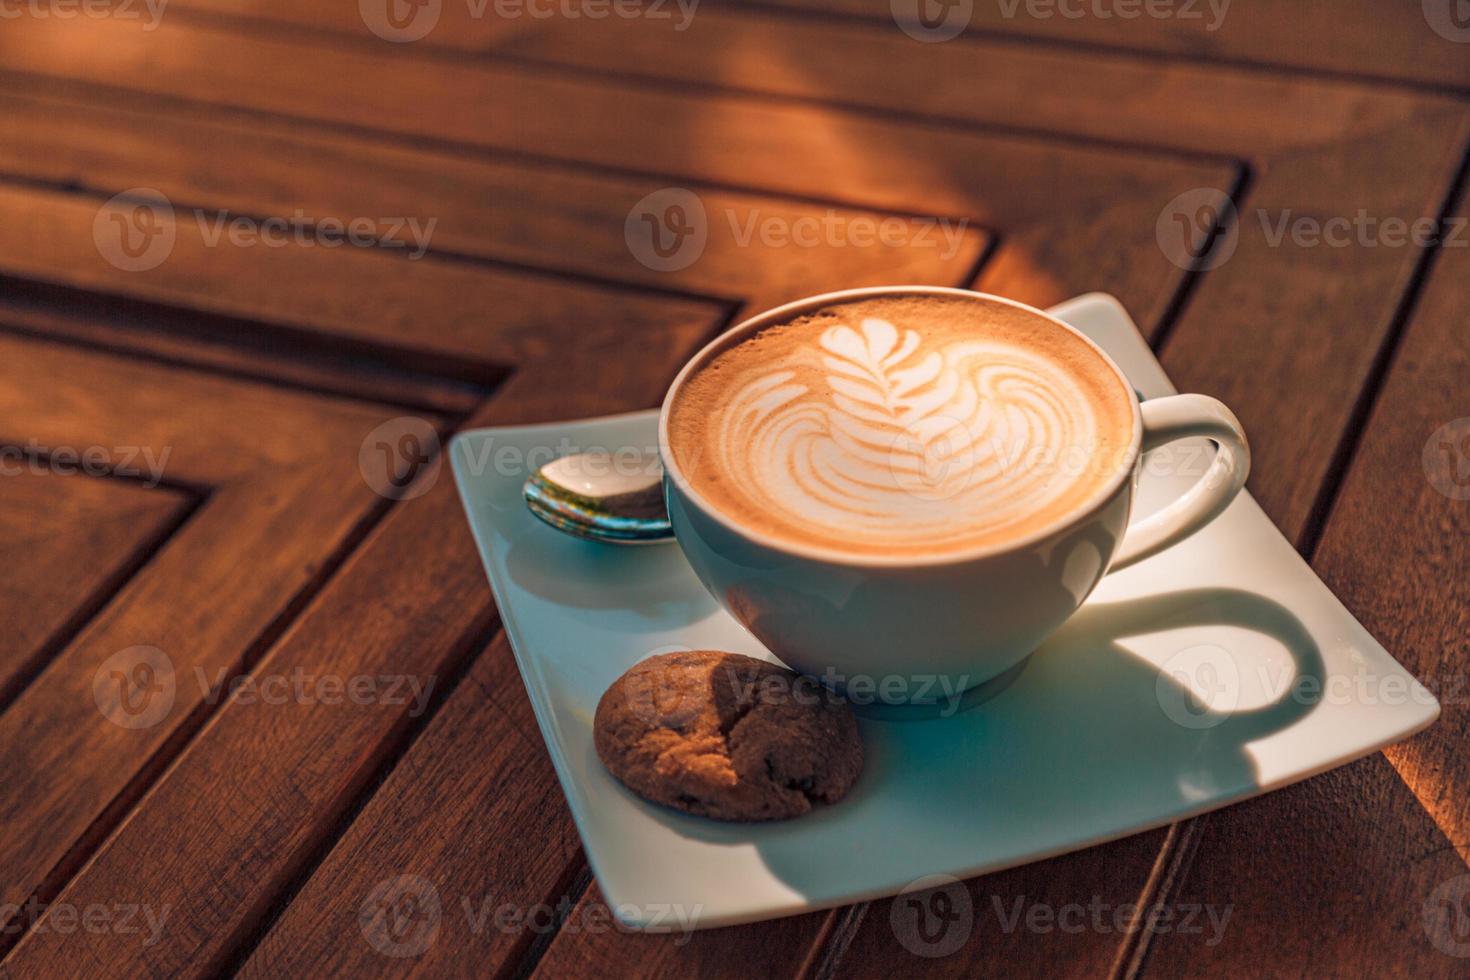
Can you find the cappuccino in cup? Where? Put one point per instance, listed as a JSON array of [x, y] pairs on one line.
[[904, 426], [911, 487]]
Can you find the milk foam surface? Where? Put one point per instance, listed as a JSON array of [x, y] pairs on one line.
[[903, 426]]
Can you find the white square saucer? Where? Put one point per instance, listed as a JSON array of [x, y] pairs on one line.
[[1214, 672]]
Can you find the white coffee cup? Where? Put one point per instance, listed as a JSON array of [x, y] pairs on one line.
[[913, 629]]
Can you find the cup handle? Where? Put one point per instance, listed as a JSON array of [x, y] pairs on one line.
[[1177, 417]]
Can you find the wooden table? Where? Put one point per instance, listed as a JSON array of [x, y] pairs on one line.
[[248, 834]]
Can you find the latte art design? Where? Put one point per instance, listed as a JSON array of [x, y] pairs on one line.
[[858, 431], [907, 441]]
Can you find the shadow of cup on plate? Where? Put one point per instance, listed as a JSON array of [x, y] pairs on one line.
[[1087, 724]]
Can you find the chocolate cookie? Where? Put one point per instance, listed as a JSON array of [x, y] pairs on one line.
[[726, 736]]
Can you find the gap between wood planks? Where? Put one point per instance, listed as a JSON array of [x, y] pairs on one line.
[[446, 368], [76, 90], [192, 499], [476, 639], [1164, 58], [272, 29], [112, 815], [334, 357]]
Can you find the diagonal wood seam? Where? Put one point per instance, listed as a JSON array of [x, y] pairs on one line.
[[538, 376], [270, 29], [186, 502], [1161, 56], [184, 747], [224, 476], [82, 190]]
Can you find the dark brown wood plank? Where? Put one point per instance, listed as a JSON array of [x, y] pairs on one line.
[[439, 313], [248, 351], [1367, 864], [297, 775], [477, 770], [68, 537], [1107, 97], [780, 948], [1404, 40], [1054, 917], [284, 492], [1110, 197], [761, 249]]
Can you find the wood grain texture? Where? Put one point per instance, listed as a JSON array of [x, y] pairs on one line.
[[759, 249], [1067, 916], [478, 774], [407, 604], [353, 295], [284, 492], [1370, 38], [70, 537], [246, 350], [1110, 197], [584, 947]]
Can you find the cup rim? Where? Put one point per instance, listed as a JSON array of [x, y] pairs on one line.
[[1103, 496]]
